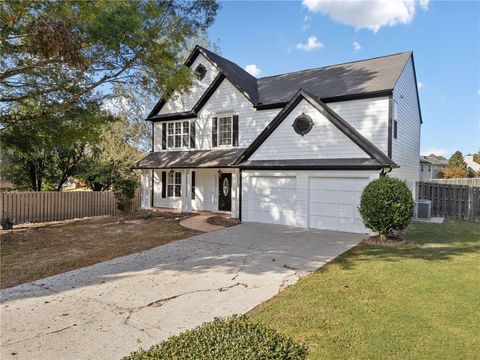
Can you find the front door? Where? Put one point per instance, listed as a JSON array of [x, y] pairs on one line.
[[225, 192]]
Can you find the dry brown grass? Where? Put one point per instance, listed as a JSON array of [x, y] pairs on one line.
[[33, 252]]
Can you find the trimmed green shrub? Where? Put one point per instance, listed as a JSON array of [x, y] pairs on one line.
[[386, 205], [222, 339]]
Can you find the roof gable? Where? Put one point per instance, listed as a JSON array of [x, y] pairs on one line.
[[370, 149]]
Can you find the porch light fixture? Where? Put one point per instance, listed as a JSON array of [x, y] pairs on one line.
[[219, 172], [172, 171]]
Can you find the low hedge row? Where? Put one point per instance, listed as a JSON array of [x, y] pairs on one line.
[[225, 339]]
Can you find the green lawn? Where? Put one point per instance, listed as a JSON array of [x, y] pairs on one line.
[[419, 301]]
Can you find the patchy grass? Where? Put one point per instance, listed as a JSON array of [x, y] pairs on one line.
[[36, 251], [418, 301], [220, 220]]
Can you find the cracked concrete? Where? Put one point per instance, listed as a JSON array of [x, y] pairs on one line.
[[107, 310]]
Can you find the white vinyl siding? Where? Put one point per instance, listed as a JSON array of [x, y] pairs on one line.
[[406, 148], [324, 141], [368, 116], [183, 102]]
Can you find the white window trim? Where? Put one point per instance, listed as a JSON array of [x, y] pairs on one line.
[[174, 184], [231, 129], [181, 135]]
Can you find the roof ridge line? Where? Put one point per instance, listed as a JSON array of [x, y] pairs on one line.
[[339, 64]]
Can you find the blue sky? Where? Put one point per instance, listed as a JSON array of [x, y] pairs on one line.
[[444, 36]]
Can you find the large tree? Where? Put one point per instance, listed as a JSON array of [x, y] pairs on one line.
[[56, 53], [108, 160], [46, 154], [456, 168]]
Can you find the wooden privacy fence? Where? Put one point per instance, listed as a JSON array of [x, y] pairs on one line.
[[22, 207], [464, 181], [453, 201]]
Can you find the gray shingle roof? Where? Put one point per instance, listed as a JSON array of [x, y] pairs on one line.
[[433, 160], [359, 77], [190, 159]]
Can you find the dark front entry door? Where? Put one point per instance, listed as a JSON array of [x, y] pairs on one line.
[[225, 192]]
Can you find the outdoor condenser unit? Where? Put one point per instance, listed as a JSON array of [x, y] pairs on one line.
[[423, 209]]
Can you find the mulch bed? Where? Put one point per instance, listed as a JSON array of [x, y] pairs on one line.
[[222, 221], [391, 241]]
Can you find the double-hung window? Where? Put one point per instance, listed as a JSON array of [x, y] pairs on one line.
[[174, 184], [178, 134], [225, 130]]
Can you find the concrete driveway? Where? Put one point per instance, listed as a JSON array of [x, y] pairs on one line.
[[107, 310]]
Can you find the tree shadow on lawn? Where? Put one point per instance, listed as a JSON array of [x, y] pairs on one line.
[[428, 242]]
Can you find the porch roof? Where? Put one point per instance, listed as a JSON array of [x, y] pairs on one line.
[[190, 159]]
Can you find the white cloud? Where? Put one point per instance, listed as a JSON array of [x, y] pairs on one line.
[[356, 45], [419, 85], [253, 69], [436, 151], [312, 43], [306, 25], [368, 14]]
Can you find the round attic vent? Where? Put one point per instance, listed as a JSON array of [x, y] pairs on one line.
[[303, 124], [200, 72]]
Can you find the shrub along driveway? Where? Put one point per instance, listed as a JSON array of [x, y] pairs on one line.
[[418, 301], [109, 309]]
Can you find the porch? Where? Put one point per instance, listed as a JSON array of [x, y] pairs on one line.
[[192, 189]]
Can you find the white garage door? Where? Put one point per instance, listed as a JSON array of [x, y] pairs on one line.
[[272, 200], [333, 203]]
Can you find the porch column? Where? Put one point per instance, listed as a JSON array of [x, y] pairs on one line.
[[186, 191], [235, 194]]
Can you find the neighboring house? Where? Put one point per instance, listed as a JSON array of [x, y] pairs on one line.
[[473, 166], [294, 149], [431, 167]]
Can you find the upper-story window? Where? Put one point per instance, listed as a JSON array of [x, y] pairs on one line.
[[200, 72], [178, 134], [225, 131], [395, 119]]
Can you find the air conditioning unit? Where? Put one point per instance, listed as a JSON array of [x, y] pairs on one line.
[[423, 209]]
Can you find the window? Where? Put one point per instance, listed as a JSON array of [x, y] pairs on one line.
[[303, 124], [224, 132], [395, 119], [174, 184], [429, 168], [200, 72], [178, 134], [421, 167]]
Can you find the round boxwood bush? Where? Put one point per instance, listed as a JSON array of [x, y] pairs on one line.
[[221, 339], [386, 205]]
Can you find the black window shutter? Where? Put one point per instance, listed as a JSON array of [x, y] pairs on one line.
[[164, 184], [164, 136], [395, 129], [192, 134], [214, 132], [235, 130], [193, 185]]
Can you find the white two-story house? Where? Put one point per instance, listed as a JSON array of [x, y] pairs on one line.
[[294, 149]]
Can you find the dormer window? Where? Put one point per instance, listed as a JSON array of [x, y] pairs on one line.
[[200, 72]]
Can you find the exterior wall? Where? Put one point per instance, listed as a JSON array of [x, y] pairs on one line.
[[299, 215], [324, 141], [206, 191], [406, 148], [430, 171], [368, 116], [146, 184], [226, 100], [181, 102]]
